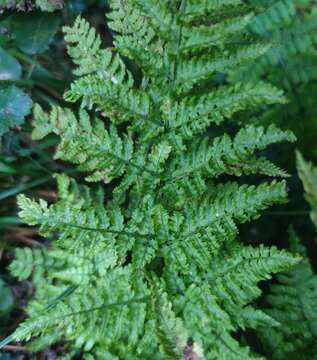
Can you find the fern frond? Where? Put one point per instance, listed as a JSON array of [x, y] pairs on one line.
[[290, 63], [226, 156], [234, 278], [203, 314], [275, 14], [137, 39], [192, 71], [245, 203], [203, 8], [292, 30], [29, 262], [161, 209], [115, 100], [169, 329], [293, 304], [161, 17], [32, 211], [89, 144], [217, 35], [308, 174], [192, 115], [76, 314], [84, 47], [207, 224]]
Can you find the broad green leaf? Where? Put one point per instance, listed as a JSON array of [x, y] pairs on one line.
[[10, 69], [14, 106], [33, 34]]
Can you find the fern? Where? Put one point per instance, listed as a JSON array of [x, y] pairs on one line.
[[308, 174], [290, 63], [293, 304], [292, 301], [148, 265], [292, 26]]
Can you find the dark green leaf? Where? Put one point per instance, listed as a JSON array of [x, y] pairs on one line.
[[34, 33], [14, 106], [10, 69]]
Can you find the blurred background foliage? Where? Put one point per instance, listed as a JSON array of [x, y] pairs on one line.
[[34, 67], [290, 64]]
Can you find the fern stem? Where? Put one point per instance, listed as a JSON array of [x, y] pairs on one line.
[[116, 232], [105, 306]]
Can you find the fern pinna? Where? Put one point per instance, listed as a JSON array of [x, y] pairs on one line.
[[148, 266]]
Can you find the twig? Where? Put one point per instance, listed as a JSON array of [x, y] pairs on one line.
[[30, 242], [22, 235], [17, 348]]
